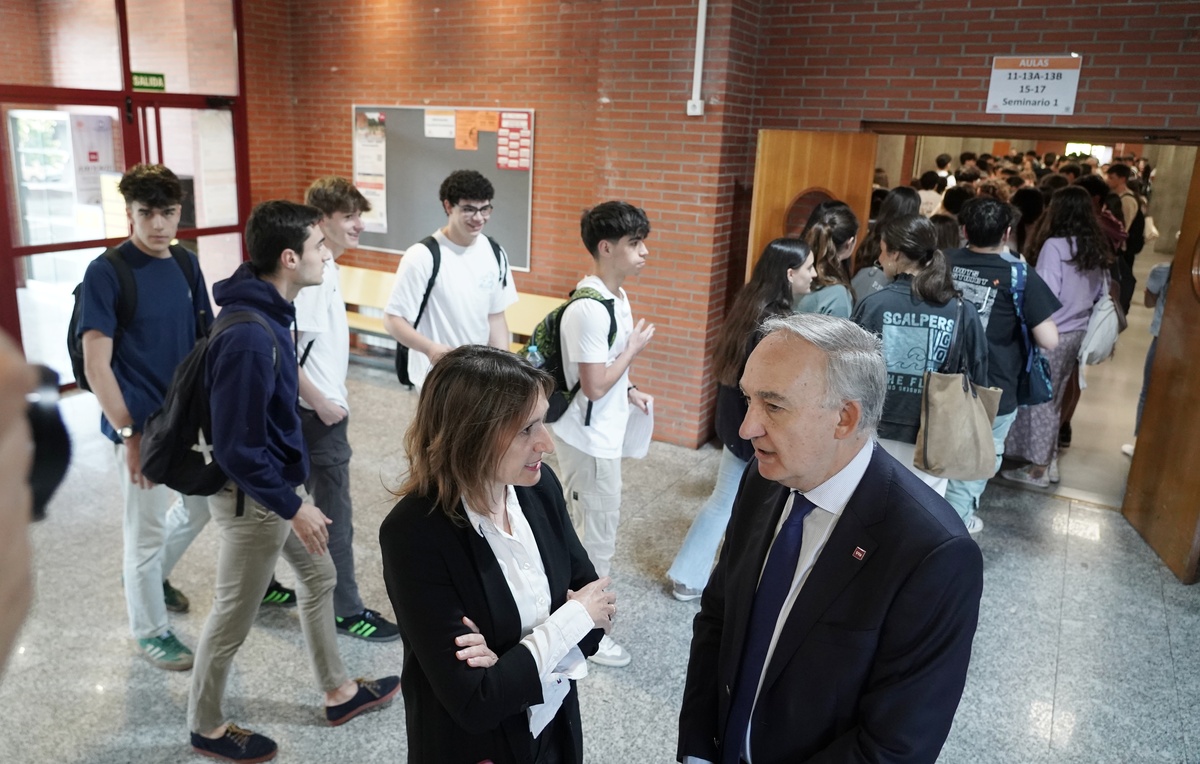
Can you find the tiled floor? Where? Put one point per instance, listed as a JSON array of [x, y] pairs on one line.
[[1088, 650]]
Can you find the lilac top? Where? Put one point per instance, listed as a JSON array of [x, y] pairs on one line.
[[1077, 290]]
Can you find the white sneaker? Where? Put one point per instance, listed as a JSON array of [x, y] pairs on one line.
[[1127, 449], [610, 654], [1052, 472], [974, 524]]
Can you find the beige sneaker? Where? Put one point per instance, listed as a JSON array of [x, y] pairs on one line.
[[610, 654]]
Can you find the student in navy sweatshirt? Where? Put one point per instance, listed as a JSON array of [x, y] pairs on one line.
[[257, 441]]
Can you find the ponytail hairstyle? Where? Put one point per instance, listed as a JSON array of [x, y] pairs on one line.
[[914, 238], [767, 294], [901, 201], [826, 235]]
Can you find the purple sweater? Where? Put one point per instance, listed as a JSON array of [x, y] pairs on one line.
[[1077, 290]]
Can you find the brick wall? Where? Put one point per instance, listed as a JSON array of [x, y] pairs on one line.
[[21, 41], [609, 79], [832, 65]]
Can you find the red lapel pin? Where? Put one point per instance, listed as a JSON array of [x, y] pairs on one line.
[[859, 553]]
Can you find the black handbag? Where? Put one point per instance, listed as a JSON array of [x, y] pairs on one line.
[[1034, 384]]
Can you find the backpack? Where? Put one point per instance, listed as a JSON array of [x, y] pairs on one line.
[[177, 446], [546, 340], [126, 306], [1137, 229], [436, 251], [1100, 339], [1034, 384]]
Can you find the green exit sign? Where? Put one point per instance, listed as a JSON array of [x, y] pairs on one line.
[[147, 81]]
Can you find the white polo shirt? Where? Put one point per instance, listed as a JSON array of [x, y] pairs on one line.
[[321, 320]]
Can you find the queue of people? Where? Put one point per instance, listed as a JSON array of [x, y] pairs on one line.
[[498, 570]]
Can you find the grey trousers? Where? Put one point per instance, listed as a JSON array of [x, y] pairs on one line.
[[329, 485], [248, 546]]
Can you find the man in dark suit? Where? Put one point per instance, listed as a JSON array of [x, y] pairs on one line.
[[837, 625]]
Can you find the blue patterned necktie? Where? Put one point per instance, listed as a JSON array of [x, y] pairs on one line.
[[772, 592]]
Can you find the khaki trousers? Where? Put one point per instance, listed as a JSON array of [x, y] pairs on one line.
[[593, 492], [248, 547]]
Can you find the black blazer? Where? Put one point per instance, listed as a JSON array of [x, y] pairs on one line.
[[872, 659], [437, 572]]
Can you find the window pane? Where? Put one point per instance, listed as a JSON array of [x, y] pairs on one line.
[[193, 44], [60, 43], [64, 165], [220, 255], [198, 147], [44, 302]]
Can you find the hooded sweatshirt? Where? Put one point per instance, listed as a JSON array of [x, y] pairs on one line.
[[256, 425]]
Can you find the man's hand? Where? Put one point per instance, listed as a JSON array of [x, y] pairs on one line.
[[640, 337], [133, 461], [640, 399], [309, 526], [329, 412]]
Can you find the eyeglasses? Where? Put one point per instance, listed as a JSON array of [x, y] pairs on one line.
[[484, 212]]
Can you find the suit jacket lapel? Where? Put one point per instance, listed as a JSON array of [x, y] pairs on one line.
[[837, 565], [760, 532], [506, 619]]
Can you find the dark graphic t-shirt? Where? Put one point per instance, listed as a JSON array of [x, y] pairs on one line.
[[986, 280]]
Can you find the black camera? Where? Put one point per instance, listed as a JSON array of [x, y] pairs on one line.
[[51, 444]]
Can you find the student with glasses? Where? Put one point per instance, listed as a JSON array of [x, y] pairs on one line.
[[470, 291]]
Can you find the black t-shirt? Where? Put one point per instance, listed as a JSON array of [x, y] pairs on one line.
[[986, 280]]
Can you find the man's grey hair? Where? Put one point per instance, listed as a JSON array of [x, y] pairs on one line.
[[854, 370]]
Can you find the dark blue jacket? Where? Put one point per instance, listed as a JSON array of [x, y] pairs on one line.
[[256, 425]]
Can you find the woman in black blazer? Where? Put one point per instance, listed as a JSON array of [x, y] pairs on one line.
[[497, 603]]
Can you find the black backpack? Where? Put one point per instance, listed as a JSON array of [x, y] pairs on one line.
[[177, 439], [546, 339], [126, 307], [436, 251], [1137, 230]]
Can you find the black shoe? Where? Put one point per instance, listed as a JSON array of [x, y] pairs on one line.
[[236, 744], [174, 599], [371, 693], [368, 625], [1064, 436], [278, 594]]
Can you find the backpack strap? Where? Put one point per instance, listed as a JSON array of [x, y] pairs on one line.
[[183, 258], [501, 260], [230, 317], [127, 296], [587, 293], [435, 251]]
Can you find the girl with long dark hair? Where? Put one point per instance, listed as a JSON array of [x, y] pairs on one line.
[[784, 272], [1073, 257], [918, 315]]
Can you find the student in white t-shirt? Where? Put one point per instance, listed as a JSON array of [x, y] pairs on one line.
[[591, 432], [467, 302], [323, 344]]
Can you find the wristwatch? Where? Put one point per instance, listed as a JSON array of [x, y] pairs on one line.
[[126, 432]]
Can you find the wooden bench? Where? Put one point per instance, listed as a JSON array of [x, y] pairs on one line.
[[371, 289]]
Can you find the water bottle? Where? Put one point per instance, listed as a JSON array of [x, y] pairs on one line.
[[534, 357]]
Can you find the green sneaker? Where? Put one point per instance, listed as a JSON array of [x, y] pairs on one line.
[[278, 594], [174, 599], [166, 652], [368, 625]]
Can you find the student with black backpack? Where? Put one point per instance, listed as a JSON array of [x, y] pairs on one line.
[[140, 308], [258, 442], [451, 287]]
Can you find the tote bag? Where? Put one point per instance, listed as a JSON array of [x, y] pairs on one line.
[[955, 436]]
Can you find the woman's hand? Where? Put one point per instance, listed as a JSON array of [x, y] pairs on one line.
[[474, 647], [601, 605]]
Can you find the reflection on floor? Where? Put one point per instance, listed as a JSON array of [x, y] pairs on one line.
[[1088, 649]]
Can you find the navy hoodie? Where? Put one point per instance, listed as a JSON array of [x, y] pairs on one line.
[[256, 425]]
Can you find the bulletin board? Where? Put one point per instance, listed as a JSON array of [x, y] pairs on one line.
[[403, 153]]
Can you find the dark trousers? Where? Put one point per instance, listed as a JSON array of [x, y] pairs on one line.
[[329, 485]]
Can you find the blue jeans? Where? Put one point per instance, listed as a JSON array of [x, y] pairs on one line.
[[695, 559], [964, 495], [1137, 426]]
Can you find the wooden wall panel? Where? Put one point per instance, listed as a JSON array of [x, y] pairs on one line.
[[790, 162]]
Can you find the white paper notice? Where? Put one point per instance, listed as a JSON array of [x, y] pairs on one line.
[[1033, 84], [439, 124], [638, 431], [370, 166]]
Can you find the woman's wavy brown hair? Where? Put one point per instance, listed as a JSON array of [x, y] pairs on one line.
[[474, 401]]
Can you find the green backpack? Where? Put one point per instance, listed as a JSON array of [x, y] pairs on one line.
[[546, 342]]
